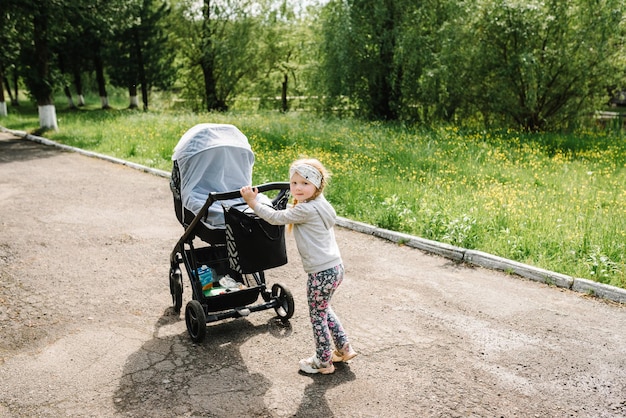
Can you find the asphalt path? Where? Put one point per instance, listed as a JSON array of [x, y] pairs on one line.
[[87, 327]]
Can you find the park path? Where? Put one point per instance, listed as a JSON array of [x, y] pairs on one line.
[[87, 329]]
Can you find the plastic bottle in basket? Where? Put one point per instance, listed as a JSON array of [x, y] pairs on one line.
[[205, 274]]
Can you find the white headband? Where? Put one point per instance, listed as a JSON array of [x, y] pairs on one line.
[[309, 172]]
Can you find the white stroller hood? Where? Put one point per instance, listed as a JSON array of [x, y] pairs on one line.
[[212, 158]]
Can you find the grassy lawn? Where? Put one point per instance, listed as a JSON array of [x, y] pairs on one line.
[[556, 201]]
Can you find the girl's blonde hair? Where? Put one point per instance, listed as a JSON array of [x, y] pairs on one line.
[[324, 181]]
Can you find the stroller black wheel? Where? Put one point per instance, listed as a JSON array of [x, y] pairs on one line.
[[284, 298], [176, 289], [195, 318]]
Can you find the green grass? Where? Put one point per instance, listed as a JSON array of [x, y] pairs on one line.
[[556, 201]]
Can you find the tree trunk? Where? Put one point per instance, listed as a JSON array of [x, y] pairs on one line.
[[104, 99], [68, 94], [48, 117], [283, 95], [78, 85], [66, 88], [3, 103], [42, 85], [209, 84], [132, 93], [208, 63], [8, 87], [141, 70], [15, 98]]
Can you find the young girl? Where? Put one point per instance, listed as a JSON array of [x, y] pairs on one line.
[[313, 219]]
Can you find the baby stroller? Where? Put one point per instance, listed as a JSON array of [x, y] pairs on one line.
[[211, 162]]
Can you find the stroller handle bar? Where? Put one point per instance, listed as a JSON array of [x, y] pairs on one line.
[[213, 197], [236, 193]]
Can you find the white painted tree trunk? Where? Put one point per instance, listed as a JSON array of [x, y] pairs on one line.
[[134, 101], [48, 117], [3, 109], [81, 100], [104, 100]]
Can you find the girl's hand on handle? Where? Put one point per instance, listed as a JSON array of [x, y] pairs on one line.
[[249, 194]]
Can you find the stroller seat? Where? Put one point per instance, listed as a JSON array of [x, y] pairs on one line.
[[209, 158]]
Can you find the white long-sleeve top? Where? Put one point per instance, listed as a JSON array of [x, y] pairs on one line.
[[313, 229]]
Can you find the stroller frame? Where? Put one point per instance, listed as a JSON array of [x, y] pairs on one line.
[[205, 309]]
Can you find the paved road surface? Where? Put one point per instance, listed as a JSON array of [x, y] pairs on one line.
[[87, 330]]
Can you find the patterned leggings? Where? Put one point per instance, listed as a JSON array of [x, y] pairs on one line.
[[326, 325]]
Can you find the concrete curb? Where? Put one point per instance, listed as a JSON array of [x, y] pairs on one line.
[[48, 142], [600, 290], [533, 273], [492, 262], [451, 252]]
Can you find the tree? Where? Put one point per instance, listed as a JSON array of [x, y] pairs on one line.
[[93, 25], [15, 77], [140, 53], [214, 46], [40, 80], [36, 20], [71, 58], [66, 87], [333, 78], [283, 46], [532, 64], [543, 63], [429, 55], [3, 103], [49, 28], [9, 51], [207, 60], [225, 56], [361, 38]]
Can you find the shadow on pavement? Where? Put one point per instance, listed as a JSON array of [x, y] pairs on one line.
[[172, 376], [314, 402], [14, 149]]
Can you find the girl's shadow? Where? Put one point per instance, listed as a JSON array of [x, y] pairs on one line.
[[314, 403], [172, 376]]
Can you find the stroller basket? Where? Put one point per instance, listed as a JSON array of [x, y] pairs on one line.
[[217, 259]]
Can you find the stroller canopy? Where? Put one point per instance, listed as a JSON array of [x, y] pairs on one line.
[[212, 158]]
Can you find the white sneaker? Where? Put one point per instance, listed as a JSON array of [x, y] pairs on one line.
[[314, 365]]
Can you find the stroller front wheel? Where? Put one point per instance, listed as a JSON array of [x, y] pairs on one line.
[[176, 289], [195, 318], [284, 298]]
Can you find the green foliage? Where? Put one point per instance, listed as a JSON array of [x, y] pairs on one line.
[[556, 201], [543, 63], [532, 65], [139, 53], [360, 38], [283, 46], [215, 49], [430, 53], [10, 40]]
